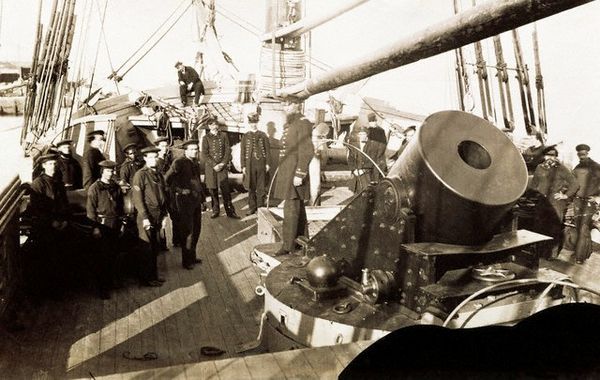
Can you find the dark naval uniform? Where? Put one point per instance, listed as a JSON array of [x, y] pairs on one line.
[[69, 171], [150, 202], [365, 170], [188, 76], [255, 152], [587, 173], [91, 169], [105, 209], [295, 155], [50, 211], [184, 179], [216, 150], [128, 169]]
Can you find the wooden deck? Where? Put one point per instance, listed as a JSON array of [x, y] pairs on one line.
[[82, 336]]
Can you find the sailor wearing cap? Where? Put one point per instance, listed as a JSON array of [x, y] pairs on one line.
[[587, 173], [558, 186], [216, 154], [255, 155], [50, 211], [105, 209], [69, 170], [130, 165], [292, 181], [184, 179], [149, 199], [163, 163], [165, 156], [189, 81], [376, 133], [92, 157]]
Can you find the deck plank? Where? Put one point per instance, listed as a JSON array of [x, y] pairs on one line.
[[234, 368], [263, 367], [294, 365], [324, 362]]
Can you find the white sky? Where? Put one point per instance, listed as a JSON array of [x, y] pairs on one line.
[[570, 54]]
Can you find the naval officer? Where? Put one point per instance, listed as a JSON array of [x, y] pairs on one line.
[[69, 170], [92, 157], [255, 151]]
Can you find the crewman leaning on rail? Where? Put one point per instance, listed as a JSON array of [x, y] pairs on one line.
[[69, 170], [150, 201], [105, 209]]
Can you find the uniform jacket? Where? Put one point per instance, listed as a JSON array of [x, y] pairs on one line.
[[215, 150], [91, 169], [104, 200], [255, 151], [296, 152], [69, 171], [374, 149], [49, 199], [588, 176], [163, 164], [149, 196], [128, 169], [184, 174], [188, 76], [555, 178]]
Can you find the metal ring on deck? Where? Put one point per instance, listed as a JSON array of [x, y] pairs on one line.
[[344, 307], [260, 290]]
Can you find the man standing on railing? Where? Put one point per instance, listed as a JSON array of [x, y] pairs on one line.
[[69, 170], [291, 183], [105, 209], [92, 157], [184, 179], [255, 152], [587, 173], [189, 81]]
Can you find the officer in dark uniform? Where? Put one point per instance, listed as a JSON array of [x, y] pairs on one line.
[[216, 154], [377, 134], [587, 173], [184, 179], [105, 209], [189, 81], [130, 165], [363, 170], [149, 198], [255, 152], [92, 157], [69, 170], [291, 183], [50, 211], [163, 163]]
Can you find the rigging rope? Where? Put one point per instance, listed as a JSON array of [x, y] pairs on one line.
[[112, 68], [97, 50]]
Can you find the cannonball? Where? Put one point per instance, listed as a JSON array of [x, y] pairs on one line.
[[322, 272]]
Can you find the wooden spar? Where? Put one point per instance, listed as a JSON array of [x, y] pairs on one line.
[[33, 74], [503, 86], [460, 70], [306, 24], [539, 83], [474, 24], [525, 89]]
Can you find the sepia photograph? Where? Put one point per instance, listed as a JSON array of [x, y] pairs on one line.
[[299, 189]]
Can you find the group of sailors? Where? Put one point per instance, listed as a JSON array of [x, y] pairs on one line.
[[572, 196], [156, 184]]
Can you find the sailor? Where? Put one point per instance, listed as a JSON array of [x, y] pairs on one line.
[[92, 157], [292, 183], [189, 81], [130, 166], [587, 173], [163, 163], [363, 169], [255, 152], [105, 209], [216, 154], [376, 134], [555, 182], [150, 203], [409, 133], [184, 179], [50, 212], [69, 170]]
